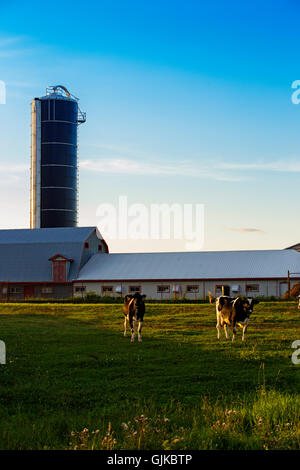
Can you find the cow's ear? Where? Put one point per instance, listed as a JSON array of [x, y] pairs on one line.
[[144, 296]]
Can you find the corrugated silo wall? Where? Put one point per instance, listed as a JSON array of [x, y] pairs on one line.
[[58, 163]]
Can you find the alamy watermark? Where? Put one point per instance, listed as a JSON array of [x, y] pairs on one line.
[[2, 92], [2, 352], [296, 100], [296, 354], [296, 94], [153, 222]]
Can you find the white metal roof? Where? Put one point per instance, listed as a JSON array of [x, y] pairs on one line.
[[45, 235], [25, 253], [191, 265]]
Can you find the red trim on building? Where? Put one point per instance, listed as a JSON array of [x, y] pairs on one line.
[[53, 258], [186, 280]]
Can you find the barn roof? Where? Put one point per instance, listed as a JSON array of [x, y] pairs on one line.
[[25, 253], [46, 235], [191, 265]]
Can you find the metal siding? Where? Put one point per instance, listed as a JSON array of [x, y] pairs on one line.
[[54, 162], [58, 180], [46, 235], [191, 265], [60, 291], [150, 289]]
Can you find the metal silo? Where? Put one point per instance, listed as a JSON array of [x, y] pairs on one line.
[[54, 161]]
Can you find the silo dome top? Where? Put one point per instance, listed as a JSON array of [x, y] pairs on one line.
[[58, 92]]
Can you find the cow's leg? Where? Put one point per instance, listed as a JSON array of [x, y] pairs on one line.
[[226, 330], [125, 326], [244, 330], [132, 325], [219, 330], [218, 326], [140, 331], [233, 331]]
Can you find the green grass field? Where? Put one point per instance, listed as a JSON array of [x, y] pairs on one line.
[[72, 381]]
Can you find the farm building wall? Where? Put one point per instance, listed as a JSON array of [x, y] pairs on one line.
[[59, 291], [92, 245], [192, 289], [19, 291]]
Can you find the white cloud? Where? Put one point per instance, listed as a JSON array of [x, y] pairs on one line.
[[130, 167], [279, 165], [13, 46], [217, 170]]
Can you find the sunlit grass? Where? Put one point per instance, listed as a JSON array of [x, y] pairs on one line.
[[73, 381]]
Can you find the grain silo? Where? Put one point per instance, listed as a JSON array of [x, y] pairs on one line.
[[54, 159]]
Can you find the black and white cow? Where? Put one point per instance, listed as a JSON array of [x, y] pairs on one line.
[[134, 310], [231, 312]]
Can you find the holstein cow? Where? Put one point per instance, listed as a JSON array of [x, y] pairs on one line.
[[134, 310], [231, 312]]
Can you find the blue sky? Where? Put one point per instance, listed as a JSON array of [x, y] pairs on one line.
[[186, 101]]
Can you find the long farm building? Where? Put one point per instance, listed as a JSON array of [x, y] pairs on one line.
[[60, 263]]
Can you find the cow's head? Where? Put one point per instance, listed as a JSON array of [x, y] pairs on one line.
[[136, 303], [249, 305]]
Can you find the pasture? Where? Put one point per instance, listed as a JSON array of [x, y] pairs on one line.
[[72, 381]]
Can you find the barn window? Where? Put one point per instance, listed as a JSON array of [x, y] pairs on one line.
[[99, 247], [163, 289], [235, 288], [86, 245], [252, 287], [222, 289], [80, 289], [15, 290], [135, 289], [192, 289], [107, 289], [47, 290]]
